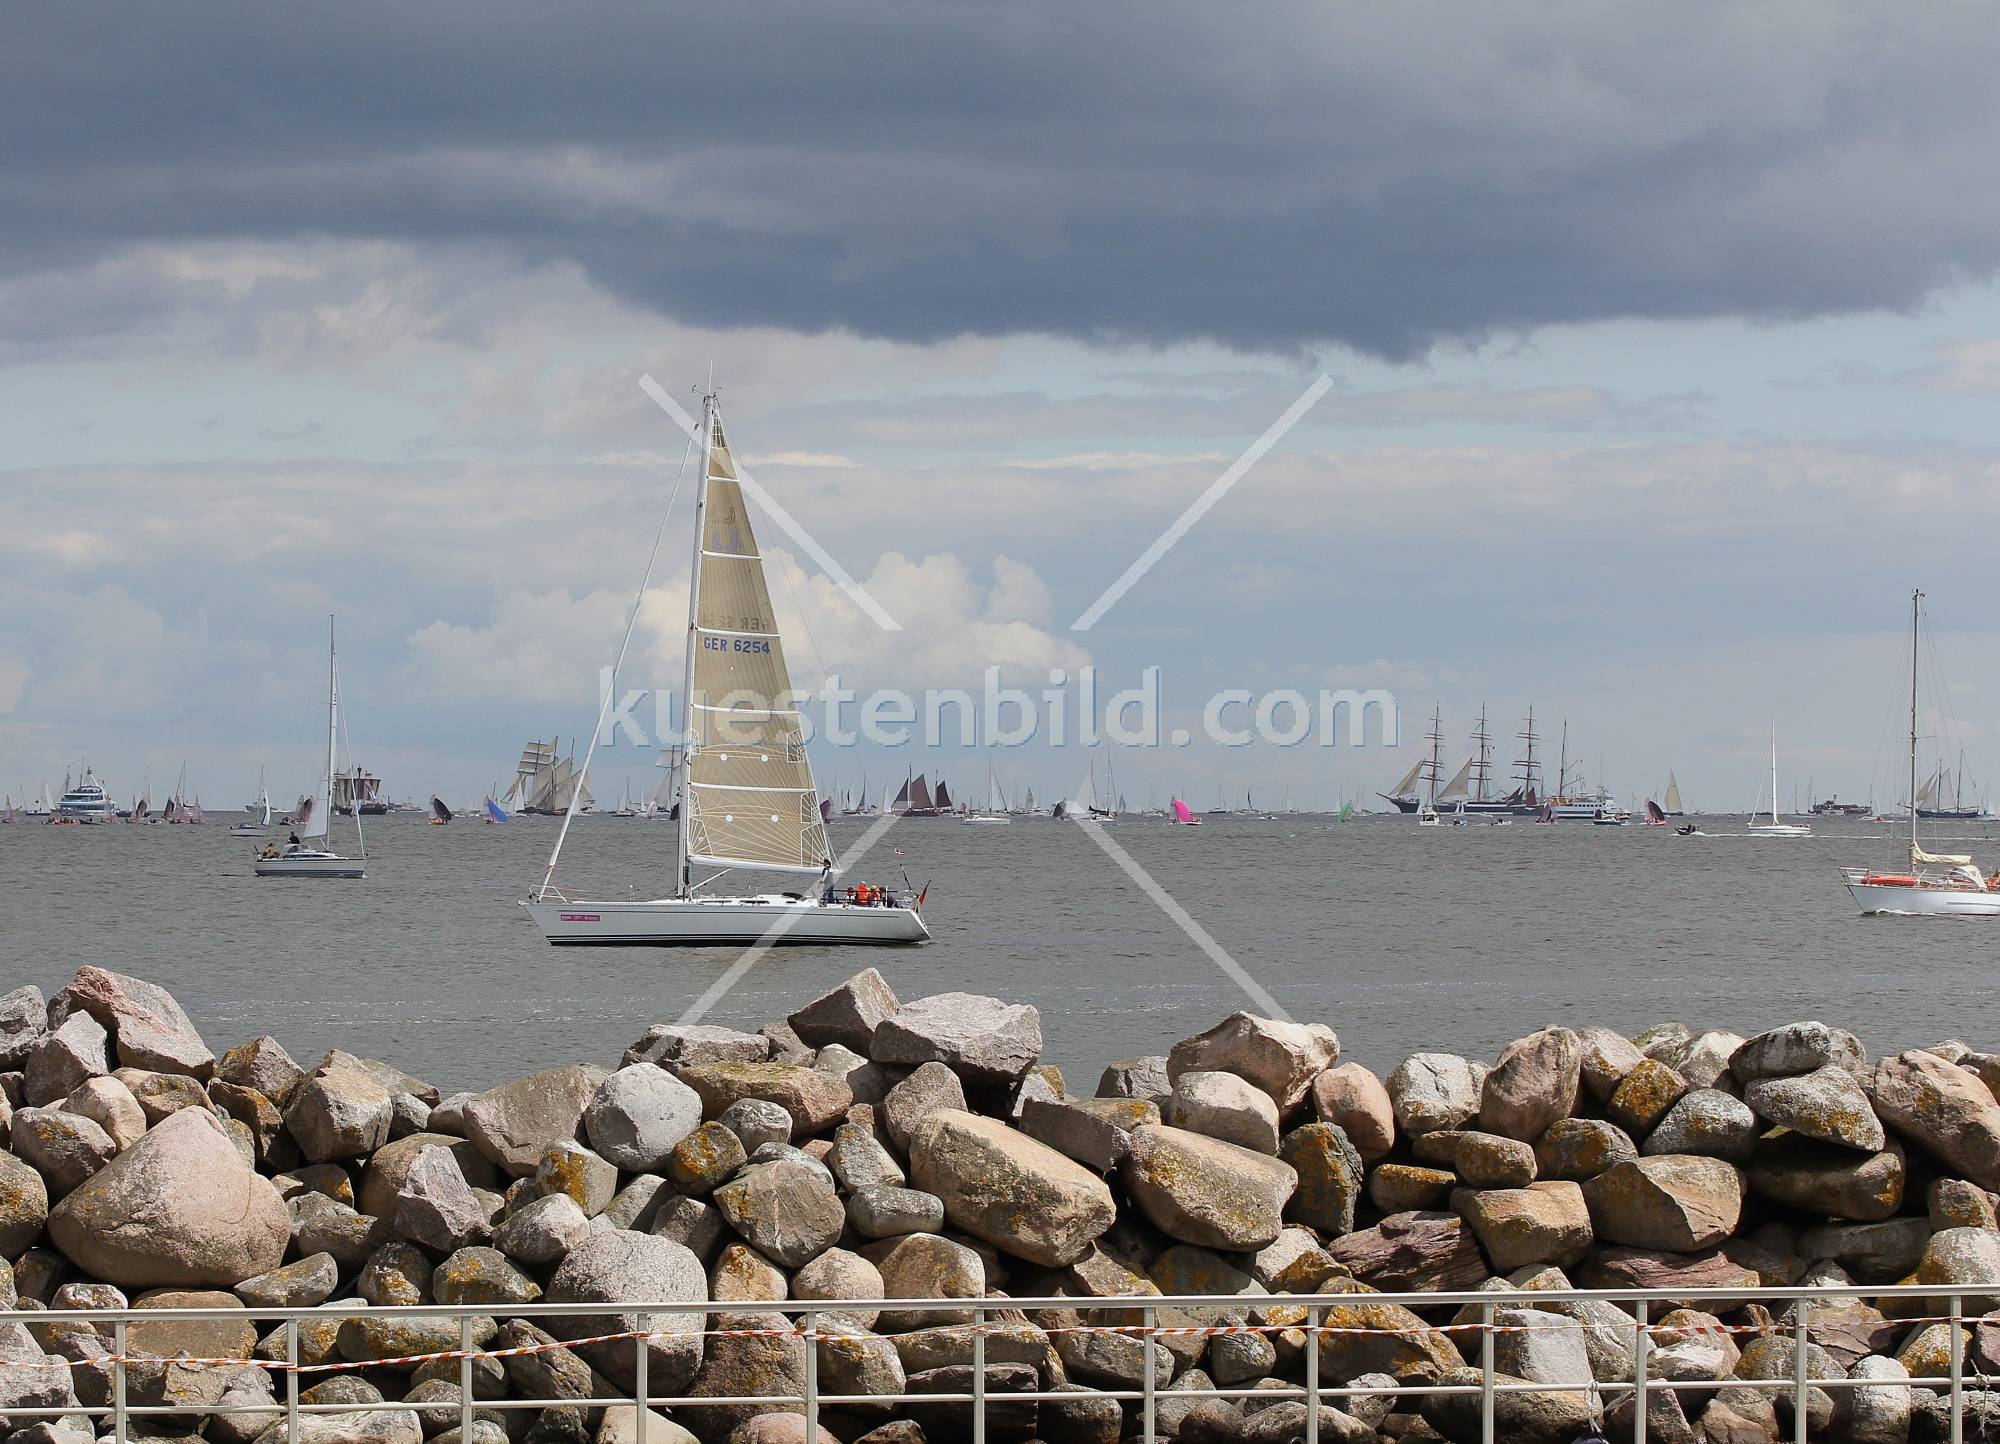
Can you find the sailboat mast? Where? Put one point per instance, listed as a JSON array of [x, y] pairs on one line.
[[332, 715], [1916, 599], [1774, 769], [682, 879]]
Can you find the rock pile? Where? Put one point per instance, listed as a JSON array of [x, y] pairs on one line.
[[886, 1152]]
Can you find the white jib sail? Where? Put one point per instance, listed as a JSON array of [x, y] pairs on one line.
[[751, 801]]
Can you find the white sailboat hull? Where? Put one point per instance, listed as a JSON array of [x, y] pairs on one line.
[[1918, 900], [711, 922], [309, 864]]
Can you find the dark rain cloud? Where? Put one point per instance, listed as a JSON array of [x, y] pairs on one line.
[[1387, 177]]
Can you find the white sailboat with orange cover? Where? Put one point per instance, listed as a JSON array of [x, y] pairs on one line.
[[747, 796]]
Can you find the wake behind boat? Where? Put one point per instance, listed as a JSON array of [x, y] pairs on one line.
[[1937, 884], [747, 796]]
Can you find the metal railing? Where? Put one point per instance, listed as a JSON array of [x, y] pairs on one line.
[[1186, 1316]]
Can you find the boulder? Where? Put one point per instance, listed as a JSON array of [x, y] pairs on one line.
[[1021, 1196], [323, 1225], [741, 1275], [1430, 1091], [262, 1064], [1874, 1253], [340, 1110], [147, 1027], [1827, 1179], [1492, 1160], [305, 1284], [514, 1124], [24, 1019], [179, 1208], [1709, 1122], [1367, 1336], [986, 1042], [109, 1104], [1797, 1048], [1954, 1203], [24, 1205], [931, 1087], [1520, 1416], [1581, 1148], [62, 1059], [1406, 1187], [1533, 1084], [1279, 1056], [1878, 1412], [435, 1206], [1203, 1191], [1826, 1104], [1355, 1101], [1224, 1106], [885, 1211], [481, 1276], [786, 1210], [1329, 1173], [758, 1121], [854, 1361], [1681, 1203], [618, 1266], [683, 1045], [65, 1148], [839, 1274], [1638, 1268], [1096, 1132], [1605, 1058], [1943, 1109], [1134, 1078], [849, 1015], [1543, 1223], [859, 1160], [1963, 1256], [159, 1094], [927, 1266], [705, 1159], [816, 1101], [383, 1178], [1412, 1251], [568, 1167], [543, 1230], [638, 1114], [1643, 1097]]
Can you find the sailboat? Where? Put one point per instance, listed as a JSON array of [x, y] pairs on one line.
[[492, 811], [1777, 826], [1670, 802], [1184, 815], [440, 814], [1937, 884], [747, 797], [626, 807], [242, 829], [859, 806], [302, 859], [546, 782], [996, 802]]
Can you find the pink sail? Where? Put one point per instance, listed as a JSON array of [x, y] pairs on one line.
[[1182, 813]]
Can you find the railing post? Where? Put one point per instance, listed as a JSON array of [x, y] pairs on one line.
[[1642, 1339], [118, 1381], [1957, 1372], [1486, 1374], [811, 1321], [1799, 1341], [1146, 1315], [978, 1376], [292, 1383], [1312, 1374], [465, 1380], [642, 1387]]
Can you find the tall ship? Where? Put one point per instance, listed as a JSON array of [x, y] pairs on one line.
[[358, 792], [1471, 789], [1941, 798], [747, 795], [915, 800], [88, 800], [546, 782]]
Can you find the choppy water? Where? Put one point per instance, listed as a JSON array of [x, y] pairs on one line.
[[1402, 938]]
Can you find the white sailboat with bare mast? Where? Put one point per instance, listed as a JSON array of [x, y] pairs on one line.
[[1777, 826], [747, 797], [301, 858], [1938, 884]]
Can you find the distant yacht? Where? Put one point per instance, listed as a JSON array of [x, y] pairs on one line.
[[1671, 804], [301, 858], [87, 801], [1777, 826]]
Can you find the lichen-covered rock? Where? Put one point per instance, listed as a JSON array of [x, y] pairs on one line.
[[1202, 1191], [741, 1275], [928, 1089], [435, 1206], [1643, 1097], [816, 1101], [840, 1274], [543, 1230], [1707, 1121], [514, 1124], [1430, 1091], [1366, 1336], [1797, 1048], [618, 1266], [1827, 1179], [24, 1018], [1354, 1100], [1329, 1173], [1581, 1148], [1606, 1057], [1408, 1187], [1540, 1224], [109, 1104], [1134, 1078], [999, 1185], [178, 1208], [784, 1209], [1492, 1160], [302, 1285], [24, 1205], [1096, 1132], [848, 1015], [1533, 1084], [705, 1159], [638, 1114], [859, 1160], [683, 1045], [986, 1042], [1826, 1104], [65, 1148], [1960, 1256], [756, 1122], [340, 1110], [1278, 1056], [568, 1167], [262, 1064], [1944, 1109], [1222, 1105], [1677, 1202], [1520, 1416], [1874, 1253], [886, 1211], [927, 1266]]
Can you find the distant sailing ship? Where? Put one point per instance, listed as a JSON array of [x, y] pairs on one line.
[[546, 783], [1777, 826], [1942, 797], [914, 800], [1472, 783]]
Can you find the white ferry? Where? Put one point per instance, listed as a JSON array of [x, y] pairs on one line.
[[87, 801]]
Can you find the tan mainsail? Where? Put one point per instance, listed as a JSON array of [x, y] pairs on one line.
[[1458, 786], [750, 799], [1673, 794]]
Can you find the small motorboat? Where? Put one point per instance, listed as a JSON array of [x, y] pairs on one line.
[[1687, 829]]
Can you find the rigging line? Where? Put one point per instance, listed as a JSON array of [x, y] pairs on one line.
[[604, 708]]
